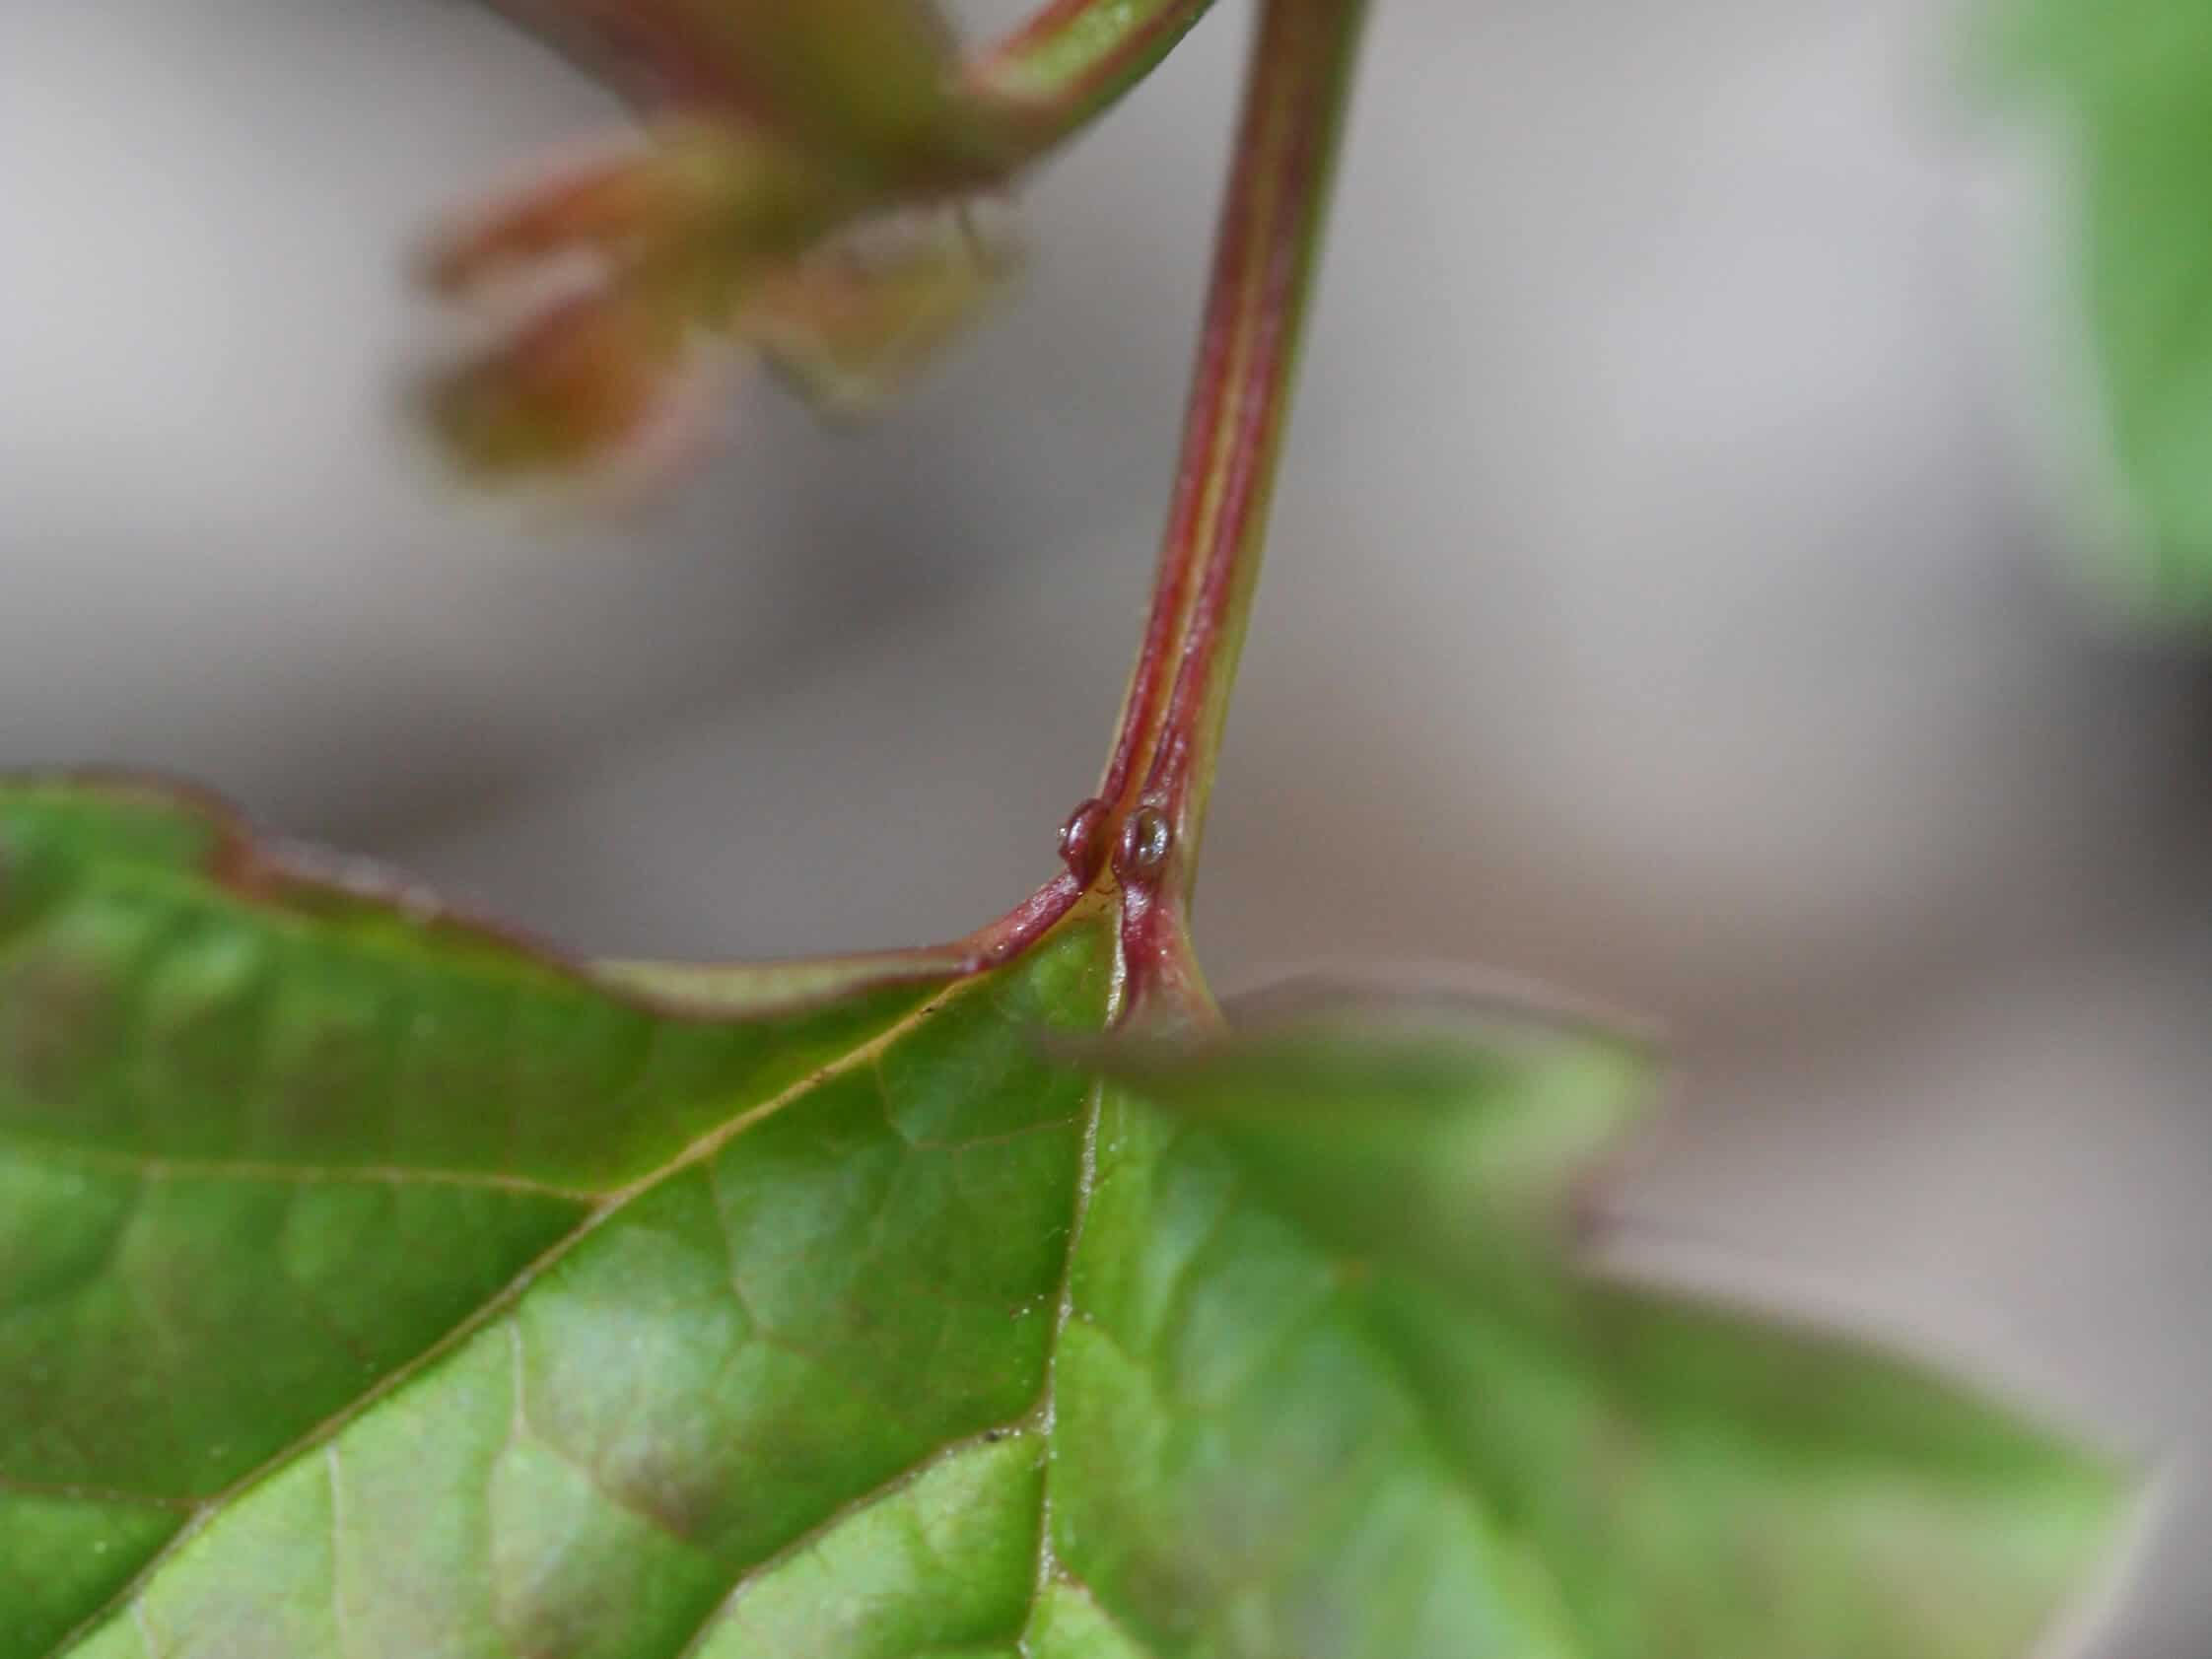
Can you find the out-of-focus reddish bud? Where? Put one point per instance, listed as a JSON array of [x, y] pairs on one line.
[[704, 189], [734, 218], [572, 389], [611, 206]]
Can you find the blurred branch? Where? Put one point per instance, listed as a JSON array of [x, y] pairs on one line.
[[1076, 58], [1041, 82]]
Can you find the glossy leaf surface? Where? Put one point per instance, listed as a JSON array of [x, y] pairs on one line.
[[371, 1283]]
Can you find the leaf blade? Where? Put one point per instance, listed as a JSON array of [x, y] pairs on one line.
[[928, 1342], [133, 860], [1648, 1475]]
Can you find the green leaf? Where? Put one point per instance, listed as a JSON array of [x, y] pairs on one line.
[[429, 1297], [790, 121], [1344, 1260], [372, 1283], [1442, 1131], [2130, 81]]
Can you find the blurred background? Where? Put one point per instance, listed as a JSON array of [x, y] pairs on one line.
[[1676, 594]]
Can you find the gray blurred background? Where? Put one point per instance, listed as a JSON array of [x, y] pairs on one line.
[[1671, 597]]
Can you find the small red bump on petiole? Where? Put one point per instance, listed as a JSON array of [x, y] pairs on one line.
[[1082, 841], [1146, 840]]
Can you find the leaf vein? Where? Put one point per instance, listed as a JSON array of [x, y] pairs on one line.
[[500, 1302]]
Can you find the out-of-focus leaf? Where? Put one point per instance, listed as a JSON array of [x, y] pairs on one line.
[[851, 325], [1343, 1247], [372, 1284], [2130, 81], [1447, 1131]]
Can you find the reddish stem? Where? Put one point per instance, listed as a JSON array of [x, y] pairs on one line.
[[1140, 835], [1183, 549], [1265, 258]]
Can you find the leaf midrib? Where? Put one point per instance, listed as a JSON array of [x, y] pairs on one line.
[[1038, 1418]]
